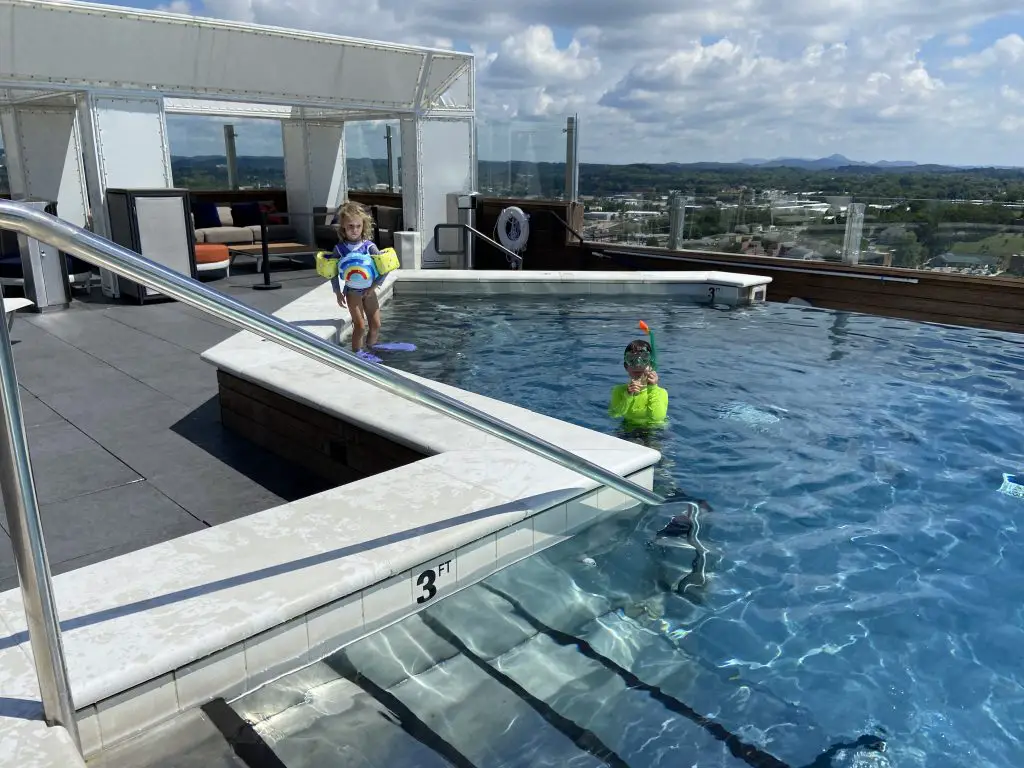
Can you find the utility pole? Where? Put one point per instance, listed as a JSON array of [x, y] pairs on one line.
[[229, 150], [572, 158], [391, 160]]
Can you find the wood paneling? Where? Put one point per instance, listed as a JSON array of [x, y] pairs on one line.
[[550, 243], [981, 302]]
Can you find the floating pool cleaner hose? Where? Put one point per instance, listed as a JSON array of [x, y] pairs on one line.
[[1013, 485], [654, 352]]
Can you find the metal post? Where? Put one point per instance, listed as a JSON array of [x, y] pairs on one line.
[[572, 159], [854, 232], [391, 160], [676, 221], [26, 528], [229, 150], [266, 285], [508, 181]]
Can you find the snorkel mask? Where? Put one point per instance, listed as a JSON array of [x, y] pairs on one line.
[[636, 358]]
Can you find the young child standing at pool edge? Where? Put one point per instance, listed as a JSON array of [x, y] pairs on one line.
[[354, 285], [641, 402]]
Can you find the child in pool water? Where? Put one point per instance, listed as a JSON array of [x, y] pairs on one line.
[[641, 402], [355, 255]]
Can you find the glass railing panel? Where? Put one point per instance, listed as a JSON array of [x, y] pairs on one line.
[[521, 159], [978, 238], [366, 155], [970, 238], [199, 153]]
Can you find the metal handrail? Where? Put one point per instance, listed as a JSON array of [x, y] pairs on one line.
[[15, 465], [25, 525], [564, 223], [511, 255]]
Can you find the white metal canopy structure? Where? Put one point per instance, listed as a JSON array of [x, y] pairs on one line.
[[85, 90], [54, 45]]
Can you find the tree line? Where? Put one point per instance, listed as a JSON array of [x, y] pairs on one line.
[[730, 183], [708, 182]]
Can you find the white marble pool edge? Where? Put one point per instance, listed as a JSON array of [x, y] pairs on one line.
[[133, 670], [709, 287]]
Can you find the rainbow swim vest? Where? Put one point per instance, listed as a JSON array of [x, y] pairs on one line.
[[355, 266]]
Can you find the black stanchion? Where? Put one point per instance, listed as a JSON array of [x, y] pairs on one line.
[[266, 285]]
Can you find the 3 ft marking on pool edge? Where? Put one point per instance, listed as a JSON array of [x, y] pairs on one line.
[[429, 582]]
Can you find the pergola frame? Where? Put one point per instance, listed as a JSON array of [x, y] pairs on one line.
[[81, 85]]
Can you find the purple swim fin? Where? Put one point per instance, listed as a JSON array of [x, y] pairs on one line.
[[395, 346], [364, 355]]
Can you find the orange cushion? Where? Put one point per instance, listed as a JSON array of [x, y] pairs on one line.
[[211, 253]]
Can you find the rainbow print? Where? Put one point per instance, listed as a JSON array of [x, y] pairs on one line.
[[357, 276]]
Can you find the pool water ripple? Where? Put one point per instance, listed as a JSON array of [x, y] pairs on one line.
[[865, 570]]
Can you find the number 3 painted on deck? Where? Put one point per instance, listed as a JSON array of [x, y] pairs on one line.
[[426, 580], [711, 292]]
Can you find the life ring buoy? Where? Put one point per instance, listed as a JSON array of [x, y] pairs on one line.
[[513, 228]]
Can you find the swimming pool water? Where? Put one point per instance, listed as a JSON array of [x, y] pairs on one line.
[[866, 571]]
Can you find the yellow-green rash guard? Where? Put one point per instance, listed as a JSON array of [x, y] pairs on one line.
[[647, 407]]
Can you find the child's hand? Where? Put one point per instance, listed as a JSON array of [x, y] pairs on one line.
[[636, 385], [341, 300], [652, 378]]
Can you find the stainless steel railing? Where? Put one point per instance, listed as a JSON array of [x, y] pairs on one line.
[[15, 466], [514, 259], [23, 521]]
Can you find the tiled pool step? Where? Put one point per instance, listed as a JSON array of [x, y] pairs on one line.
[[340, 724], [459, 708], [588, 671], [188, 741], [513, 695]]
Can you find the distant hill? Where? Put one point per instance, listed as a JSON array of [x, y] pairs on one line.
[[830, 163], [710, 181], [825, 163], [210, 171], [373, 166]]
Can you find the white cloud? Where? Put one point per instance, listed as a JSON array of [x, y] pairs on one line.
[[176, 6], [1006, 51], [533, 56], [660, 80], [1012, 95]]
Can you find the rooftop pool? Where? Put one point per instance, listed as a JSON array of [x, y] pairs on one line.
[[861, 555]]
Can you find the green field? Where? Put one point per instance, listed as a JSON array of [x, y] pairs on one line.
[[999, 246]]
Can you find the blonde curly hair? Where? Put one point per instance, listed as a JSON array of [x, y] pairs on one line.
[[353, 210]]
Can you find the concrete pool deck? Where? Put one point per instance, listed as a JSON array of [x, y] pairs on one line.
[[220, 611], [109, 482]]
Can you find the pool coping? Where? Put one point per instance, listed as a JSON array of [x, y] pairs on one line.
[[711, 287], [224, 610]]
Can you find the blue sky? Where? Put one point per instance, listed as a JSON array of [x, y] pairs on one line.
[[663, 80], [938, 50]]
